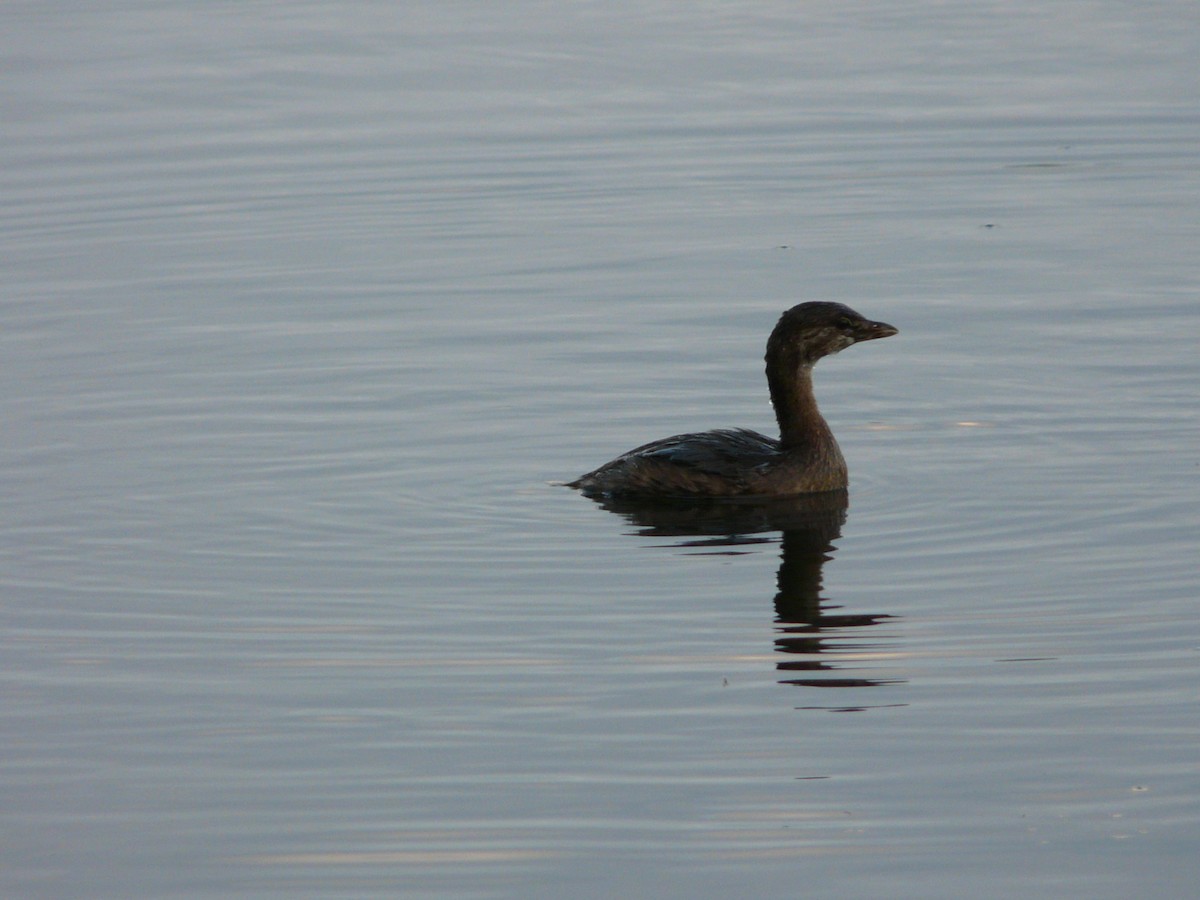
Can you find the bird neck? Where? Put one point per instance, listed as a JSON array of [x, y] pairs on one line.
[[801, 425]]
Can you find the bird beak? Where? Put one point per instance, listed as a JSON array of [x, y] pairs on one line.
[[870, 331]]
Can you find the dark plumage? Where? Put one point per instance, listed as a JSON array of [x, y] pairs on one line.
[[740, 463]]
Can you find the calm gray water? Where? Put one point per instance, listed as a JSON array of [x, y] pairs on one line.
[[307, 307]]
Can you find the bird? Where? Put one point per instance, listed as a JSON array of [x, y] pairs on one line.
[[737, 462]]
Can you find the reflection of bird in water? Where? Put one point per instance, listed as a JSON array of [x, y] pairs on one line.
[[740, 463], [809, 524]]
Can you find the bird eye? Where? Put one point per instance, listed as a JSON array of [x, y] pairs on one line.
[[845, 322]]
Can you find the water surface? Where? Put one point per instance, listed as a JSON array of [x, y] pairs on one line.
[[307, 310]]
